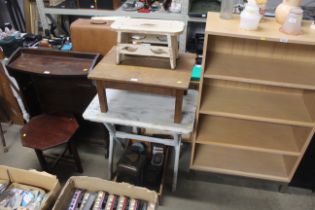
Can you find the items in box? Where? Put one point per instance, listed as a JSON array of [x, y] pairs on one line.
[[19, 196], [84, 200], [3, 185]]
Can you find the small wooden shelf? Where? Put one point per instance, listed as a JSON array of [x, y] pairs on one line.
[[252, 135], [267, 71], [243, 162], [254, 104]]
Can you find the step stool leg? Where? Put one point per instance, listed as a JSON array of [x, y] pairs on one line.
[[119, 40], [172, 51]]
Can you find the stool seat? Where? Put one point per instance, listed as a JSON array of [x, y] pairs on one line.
[[47, 131]]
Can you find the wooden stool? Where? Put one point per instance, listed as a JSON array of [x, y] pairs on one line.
[[47, 131], [150, 41]]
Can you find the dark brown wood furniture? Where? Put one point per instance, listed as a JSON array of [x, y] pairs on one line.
[[45, 131], [145, 75], [8, 102], [53, 81], [53, 84], [4, 144]]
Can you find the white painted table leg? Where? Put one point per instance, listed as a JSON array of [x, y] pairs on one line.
[[177, 139], [112, 131]]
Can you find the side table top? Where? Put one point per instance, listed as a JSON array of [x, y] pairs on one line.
[[144, 110], [149, 26], [151, 71]]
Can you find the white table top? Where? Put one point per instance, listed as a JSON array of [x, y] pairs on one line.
[[144, 110], [149, 26]]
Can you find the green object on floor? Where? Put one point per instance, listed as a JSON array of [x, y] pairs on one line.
[[196, 72]]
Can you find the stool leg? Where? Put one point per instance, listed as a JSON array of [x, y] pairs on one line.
[[5, 149], [172, 51], [41, 159], [76, 156]]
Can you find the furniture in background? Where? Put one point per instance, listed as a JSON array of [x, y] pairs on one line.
[[89, 37], [52, 83], [164, 15], [4, 144], [141, 78], [147, 112], [9, 103], [256, 113], [45, 131], [145, 37]]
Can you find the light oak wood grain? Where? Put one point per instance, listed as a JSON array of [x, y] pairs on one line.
[[242, 162], [256, 112], [266, 71], [268, 30], [251, 135], [264, 106]]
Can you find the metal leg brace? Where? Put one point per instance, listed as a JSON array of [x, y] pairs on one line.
[[175, 142]]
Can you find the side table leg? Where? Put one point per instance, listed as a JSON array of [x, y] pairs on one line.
[[177, 139], [100, 86], [111, 130], [41, 159], [178, 106]]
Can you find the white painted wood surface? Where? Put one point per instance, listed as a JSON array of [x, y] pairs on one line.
[[149, 26], [143, 50], [144, 110]]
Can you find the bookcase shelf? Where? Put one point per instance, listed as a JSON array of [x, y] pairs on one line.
[[267, 71], [256, 113], [251, 135], [243, 162], [255, 104]]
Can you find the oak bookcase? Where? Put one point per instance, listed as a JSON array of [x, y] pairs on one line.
[[256, 112]]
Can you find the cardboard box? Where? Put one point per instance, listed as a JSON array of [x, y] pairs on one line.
[[94, 184], [34, 178]]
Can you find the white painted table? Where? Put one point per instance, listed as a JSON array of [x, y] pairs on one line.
[[144, 111]]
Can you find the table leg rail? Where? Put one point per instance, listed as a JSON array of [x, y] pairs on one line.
[[175, 142]]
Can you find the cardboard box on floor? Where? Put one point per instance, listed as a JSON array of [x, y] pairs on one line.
[[33, 178], [94, 184]]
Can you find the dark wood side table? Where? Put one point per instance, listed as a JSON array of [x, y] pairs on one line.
[[52, 81], [53, 84], [150, 75]]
